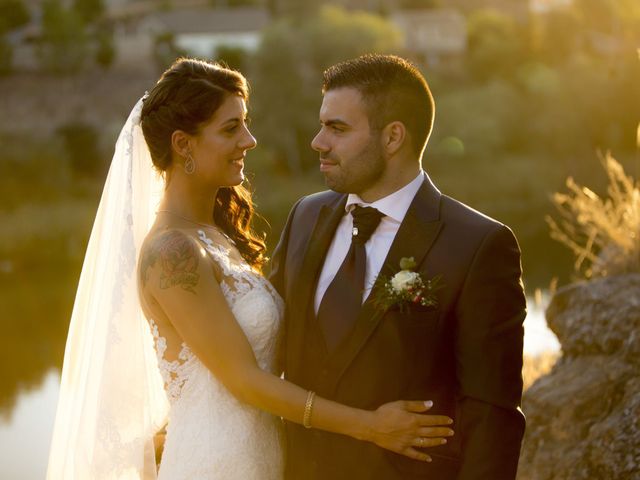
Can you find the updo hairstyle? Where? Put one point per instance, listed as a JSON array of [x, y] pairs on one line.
[[185, 98]]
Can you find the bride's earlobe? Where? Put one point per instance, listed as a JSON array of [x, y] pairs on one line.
[[180, 143]]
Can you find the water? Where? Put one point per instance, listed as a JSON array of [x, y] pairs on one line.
[[537, 336], [25, 436]]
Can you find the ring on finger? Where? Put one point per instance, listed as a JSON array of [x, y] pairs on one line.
[[421, 441]]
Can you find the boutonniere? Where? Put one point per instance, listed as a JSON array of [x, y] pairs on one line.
[[406, 288]]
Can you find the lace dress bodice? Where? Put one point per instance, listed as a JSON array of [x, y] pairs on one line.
[[210, 434]]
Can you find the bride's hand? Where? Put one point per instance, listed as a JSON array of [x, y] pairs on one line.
[[402, 427]]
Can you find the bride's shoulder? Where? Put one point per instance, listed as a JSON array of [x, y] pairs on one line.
[[171, 254], [170, 241]]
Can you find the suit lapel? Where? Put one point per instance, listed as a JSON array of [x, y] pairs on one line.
[[318, 243], [416, 235]]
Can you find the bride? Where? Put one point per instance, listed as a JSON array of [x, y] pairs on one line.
[[173, 324]]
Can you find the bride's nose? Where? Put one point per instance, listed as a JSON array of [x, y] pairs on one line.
[[248, 141]]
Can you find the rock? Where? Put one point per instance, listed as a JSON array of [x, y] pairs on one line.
[[583, 418], [598, 317]]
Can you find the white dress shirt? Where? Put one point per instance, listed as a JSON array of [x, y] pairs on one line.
[[394, 207]]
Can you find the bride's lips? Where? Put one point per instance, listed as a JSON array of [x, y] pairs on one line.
[[238, 162]]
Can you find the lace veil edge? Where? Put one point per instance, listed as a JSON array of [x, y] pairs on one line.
[[111, 399]]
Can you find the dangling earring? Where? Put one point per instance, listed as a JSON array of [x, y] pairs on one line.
[[189, 164]]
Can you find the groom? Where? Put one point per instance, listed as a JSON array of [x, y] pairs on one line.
[[363, 346]]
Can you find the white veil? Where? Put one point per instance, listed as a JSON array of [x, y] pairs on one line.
[[111, 398]]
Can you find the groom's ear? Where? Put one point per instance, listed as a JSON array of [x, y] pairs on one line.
[[394, 136], [180, 143]]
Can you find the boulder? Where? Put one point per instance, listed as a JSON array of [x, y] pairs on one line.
[[583, 418]]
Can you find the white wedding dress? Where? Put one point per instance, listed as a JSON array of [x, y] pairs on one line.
[[115, 395], [210, 434]]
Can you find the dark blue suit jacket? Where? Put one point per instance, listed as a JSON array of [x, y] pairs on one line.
[[466, 355]]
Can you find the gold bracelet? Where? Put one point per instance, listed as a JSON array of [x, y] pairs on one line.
[[308, 408]]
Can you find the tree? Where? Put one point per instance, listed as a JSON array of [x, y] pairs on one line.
[[234, 56], [560, 36], [288, 68], [13, 14], [106, 51], [165, 50], [420, 4], [293, 8], [89, 10], [6, 56], [81, 143], [615, 18], [63, 46], [495, 44]]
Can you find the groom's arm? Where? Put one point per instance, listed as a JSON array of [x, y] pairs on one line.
[[277, 277], [489, 343], [278, 259]]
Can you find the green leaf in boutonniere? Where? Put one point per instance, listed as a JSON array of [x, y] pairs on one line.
[[406, 288]]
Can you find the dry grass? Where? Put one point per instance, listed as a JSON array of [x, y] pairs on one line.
[[603, 233], [535, 366]]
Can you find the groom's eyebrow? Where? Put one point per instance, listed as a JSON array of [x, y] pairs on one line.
[[333, 122]]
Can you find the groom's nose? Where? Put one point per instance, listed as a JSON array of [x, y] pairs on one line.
[[318, 143]]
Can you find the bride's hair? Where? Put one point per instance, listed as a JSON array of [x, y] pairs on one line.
[[185, 98]]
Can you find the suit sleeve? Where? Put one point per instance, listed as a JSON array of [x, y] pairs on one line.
[[278, 260], [488, 348]]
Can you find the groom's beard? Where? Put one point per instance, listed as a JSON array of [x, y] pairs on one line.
[[357, 173]]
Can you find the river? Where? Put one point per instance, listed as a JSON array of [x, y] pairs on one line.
[[26, 432]]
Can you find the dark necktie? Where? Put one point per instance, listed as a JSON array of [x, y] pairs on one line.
[[342, 301]]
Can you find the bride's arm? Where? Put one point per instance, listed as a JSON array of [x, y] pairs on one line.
[[179, 275]]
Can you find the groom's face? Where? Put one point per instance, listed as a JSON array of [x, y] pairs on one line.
[[350, 153]]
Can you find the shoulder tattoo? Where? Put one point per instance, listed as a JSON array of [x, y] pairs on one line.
[[177, 257]]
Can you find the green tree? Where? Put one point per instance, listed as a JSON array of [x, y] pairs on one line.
[[288, 68], [619, 19], [63, 46], [165, 50], [609, 16], [420, 3], [13, 14], [6, 56], [81, 142], [89, 10], [234, 56], [560, 36], [106, 50], [293, 8], [495, 44]]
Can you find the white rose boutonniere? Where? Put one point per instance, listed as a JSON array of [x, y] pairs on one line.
[[405, 280], [406, 288]]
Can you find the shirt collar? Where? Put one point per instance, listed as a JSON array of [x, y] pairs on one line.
[[394, 205]]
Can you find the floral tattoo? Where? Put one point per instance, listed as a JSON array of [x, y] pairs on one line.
[[177, 257]]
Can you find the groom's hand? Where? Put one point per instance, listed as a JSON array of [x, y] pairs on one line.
[[403, 427]]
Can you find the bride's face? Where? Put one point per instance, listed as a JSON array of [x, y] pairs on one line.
[[220, 148]]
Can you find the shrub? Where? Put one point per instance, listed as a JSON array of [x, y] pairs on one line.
[[89, 10], [6, 56], [13, 14], [106, 50], [81, 143], [604, 234], [63, 46], [235, 57], [165, 50]]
